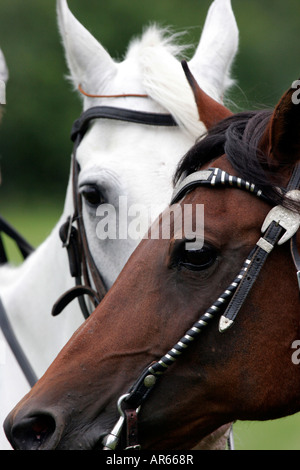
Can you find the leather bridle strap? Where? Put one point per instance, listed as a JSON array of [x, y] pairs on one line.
[[16, 348], [80, 126], [264, 247], [25, 248]]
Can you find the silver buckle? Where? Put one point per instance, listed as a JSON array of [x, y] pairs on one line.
[[284, 217], [111, 440]]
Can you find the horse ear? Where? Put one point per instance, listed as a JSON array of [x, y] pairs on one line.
[[281, 140], [3, 78], [210, 111], [86, 58], [217, 49]]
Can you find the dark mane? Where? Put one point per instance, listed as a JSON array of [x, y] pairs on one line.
[[238, 137]]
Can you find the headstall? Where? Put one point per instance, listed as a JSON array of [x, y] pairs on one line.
[[281, 225], [88, 279]]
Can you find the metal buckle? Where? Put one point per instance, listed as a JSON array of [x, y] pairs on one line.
[[284, 217], [111, 440]]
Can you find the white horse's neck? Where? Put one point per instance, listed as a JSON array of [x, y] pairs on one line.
[[35, 286]]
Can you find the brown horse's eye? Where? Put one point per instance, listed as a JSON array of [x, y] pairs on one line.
[[92, 195], [198, 260]]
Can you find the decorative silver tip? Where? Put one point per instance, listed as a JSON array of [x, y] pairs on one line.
[[224, 324]]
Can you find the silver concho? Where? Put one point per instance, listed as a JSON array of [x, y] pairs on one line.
[[287, 219]]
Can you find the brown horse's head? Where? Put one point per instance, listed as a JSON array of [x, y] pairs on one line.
[[247, 372]]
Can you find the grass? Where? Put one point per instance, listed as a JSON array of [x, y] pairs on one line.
[[35, 220], [280, 434]]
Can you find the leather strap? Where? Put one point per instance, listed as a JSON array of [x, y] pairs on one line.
[[121, 114], [258, 260], [16, 348], [88, 265], [131, 420], [140, 390], [70, 295], [25, 248]]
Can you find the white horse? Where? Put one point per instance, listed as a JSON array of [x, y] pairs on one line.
[[116, 159]]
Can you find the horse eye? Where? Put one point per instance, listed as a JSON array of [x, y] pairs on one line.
[[92, 195], [198, 260]]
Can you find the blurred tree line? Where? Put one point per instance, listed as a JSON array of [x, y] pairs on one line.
[[34, 137]]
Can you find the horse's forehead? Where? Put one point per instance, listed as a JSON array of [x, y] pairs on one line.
[[128, 72], [129, 149], [230, 214]]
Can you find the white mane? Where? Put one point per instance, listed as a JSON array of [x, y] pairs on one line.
[[157, 52]]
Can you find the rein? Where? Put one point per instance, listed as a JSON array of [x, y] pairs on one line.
[[280, 225], [88, 280], [25, 249]]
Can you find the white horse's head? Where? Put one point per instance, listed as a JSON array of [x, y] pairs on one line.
[[3, 78], [130, 166]]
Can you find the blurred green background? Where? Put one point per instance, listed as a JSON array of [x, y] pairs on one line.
[[34, 137]]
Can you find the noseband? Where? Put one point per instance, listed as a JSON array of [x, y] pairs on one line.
[[281, 225], [88, 279]]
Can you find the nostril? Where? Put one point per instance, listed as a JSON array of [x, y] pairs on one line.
[[32, 433]]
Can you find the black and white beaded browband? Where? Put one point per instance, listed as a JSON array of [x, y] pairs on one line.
[[213, 177]]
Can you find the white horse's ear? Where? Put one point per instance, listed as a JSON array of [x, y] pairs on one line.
[[87, 60], [3, 78], [216, 51]]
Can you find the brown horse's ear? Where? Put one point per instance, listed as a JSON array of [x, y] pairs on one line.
[[281, 140], [210, 111]]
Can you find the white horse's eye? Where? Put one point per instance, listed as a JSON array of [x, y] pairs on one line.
[[92, 195]]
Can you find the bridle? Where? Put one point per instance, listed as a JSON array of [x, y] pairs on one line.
[[88, 279], [281, 225]]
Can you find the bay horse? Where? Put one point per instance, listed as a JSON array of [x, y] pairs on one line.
[[233, 304], [117, 158]]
